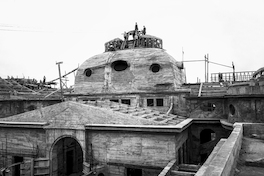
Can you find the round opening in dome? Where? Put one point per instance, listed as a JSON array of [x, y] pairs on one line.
[[119, 65], [88, 72], [155, 68]]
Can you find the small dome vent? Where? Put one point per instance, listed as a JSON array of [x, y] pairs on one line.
[[119, 65], [155, 68], [88, 72]]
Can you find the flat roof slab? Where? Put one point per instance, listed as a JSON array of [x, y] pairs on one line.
[[249, 170]]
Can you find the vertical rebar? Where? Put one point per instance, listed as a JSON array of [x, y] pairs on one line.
[[205, 60], [207, 67], [58, 63]]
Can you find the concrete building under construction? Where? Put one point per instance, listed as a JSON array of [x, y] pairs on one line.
[[131, 113]]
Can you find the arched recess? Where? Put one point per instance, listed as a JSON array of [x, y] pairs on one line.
[[207, 135], [66, 157]]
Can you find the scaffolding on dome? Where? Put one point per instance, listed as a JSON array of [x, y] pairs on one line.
[[139, 40]]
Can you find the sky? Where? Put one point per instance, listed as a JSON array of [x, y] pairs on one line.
[[35, 35]]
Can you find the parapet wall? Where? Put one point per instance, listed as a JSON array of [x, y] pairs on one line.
[[253, 130], [223, 162]]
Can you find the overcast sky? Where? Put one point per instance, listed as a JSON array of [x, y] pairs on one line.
[[34, 35]]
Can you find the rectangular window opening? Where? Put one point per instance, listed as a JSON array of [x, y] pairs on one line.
[[150, 102], [16, 171], [114, 100], [134, 172], [159, 101], [125, 101], [90, 100]]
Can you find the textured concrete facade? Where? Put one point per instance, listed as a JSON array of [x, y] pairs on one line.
[[137, 77]]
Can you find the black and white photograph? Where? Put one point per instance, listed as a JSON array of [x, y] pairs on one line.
[[131, 88]]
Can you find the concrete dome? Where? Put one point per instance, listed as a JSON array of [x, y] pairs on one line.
[[129, 71]]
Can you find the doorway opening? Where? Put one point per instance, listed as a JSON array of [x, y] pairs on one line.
[[207, 135], [207, 141], [16, 169], [134, 172], [67, 157]]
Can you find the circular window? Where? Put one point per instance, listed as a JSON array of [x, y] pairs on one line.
[[210, 107], [232, 109], [88, 72], [155, 68], [119, 65]]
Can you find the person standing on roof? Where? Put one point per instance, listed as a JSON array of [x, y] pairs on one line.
[[44, 79], [144, 30], [136, 27], [125, 36], [135, 37]]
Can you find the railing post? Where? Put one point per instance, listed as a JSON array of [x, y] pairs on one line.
[[32, 167]]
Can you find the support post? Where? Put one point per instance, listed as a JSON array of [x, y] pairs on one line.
[[32, 167], [207, 67], [58, 63], [234, 76]]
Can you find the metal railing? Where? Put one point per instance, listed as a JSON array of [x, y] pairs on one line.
[[232, 76]]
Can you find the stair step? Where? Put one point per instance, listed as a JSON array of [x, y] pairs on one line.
[[182, 173]]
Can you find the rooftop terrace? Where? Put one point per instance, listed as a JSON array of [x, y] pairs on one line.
[[241, 154]]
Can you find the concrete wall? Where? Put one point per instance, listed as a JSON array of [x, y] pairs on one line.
[[20, 142], [253, 87], [207, 108], [253, 128], [180, 104], [247, 101], [122, 150], [246, 109]]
